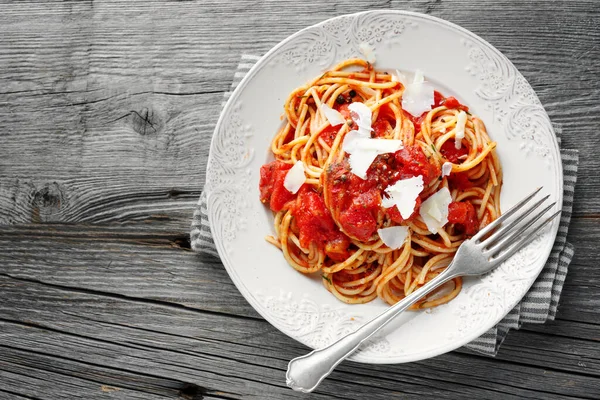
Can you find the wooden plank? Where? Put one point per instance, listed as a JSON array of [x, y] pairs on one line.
[[243, 355], [567, 328], [580, 300], [98, 98], [564, 353], [26, 381], [103, 82], [110, 173], [7, 395], [121, 262], [97, 381], [125, 262], [91, 92]]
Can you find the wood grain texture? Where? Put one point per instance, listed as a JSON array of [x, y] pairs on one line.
[[8, 395], [106, 113], [188, 346], [126, 98], [96, 380], [124, 262], [120, 262]]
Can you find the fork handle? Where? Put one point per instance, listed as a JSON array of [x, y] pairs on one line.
[[306, 372]]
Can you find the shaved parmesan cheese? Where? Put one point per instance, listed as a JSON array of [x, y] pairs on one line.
[[355, 142], [399, 77], [403, 194], [295, 178], [394, 236], [359, 144], [361, 114], [461, 122], [334, 117], [418, 96], [434, 210], [367, 51], [363, 150], [446, 168], [360, 162], [418, 78]]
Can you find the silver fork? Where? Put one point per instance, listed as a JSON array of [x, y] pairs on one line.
[[475, 256]]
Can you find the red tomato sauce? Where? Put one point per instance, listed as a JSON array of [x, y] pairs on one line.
[[451, 153], [416, 120], [448, 102], [384, 125], [312, 218], [316, 225], [463, 215], [272, 191], [328, 134], [381, 128], [356, 203]]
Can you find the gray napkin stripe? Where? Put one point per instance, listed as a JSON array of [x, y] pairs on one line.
[[535, 306], [559, 279], [541, 301], [538, 305]]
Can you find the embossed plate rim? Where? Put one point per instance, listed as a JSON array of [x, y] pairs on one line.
[[250, 297]]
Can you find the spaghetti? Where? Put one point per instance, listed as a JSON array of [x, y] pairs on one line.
[[330, 225]]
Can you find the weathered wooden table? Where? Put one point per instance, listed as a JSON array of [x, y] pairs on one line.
[[106, 115]]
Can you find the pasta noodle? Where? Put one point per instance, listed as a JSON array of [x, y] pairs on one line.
[[330, 225]]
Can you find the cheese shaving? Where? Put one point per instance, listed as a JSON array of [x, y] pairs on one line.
[[361, 114], [418, 96], [334, 117], [393, 236], [295, 178], [399, 77], [358, 143], [355, 141], [461, 123], [434, 210], [446, 168], [418, 78], [403, 194], [363, 151]]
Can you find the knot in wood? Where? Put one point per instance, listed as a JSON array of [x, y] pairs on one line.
[[145, 122], [47, 203], [191, 391]]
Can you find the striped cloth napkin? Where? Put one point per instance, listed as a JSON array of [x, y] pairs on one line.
[[539, 304]]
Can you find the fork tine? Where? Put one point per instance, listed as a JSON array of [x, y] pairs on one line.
[[525, 239], [492, 225], [511, 237], [503, 230]]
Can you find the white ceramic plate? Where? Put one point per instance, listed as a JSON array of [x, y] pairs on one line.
[[458, 63]]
